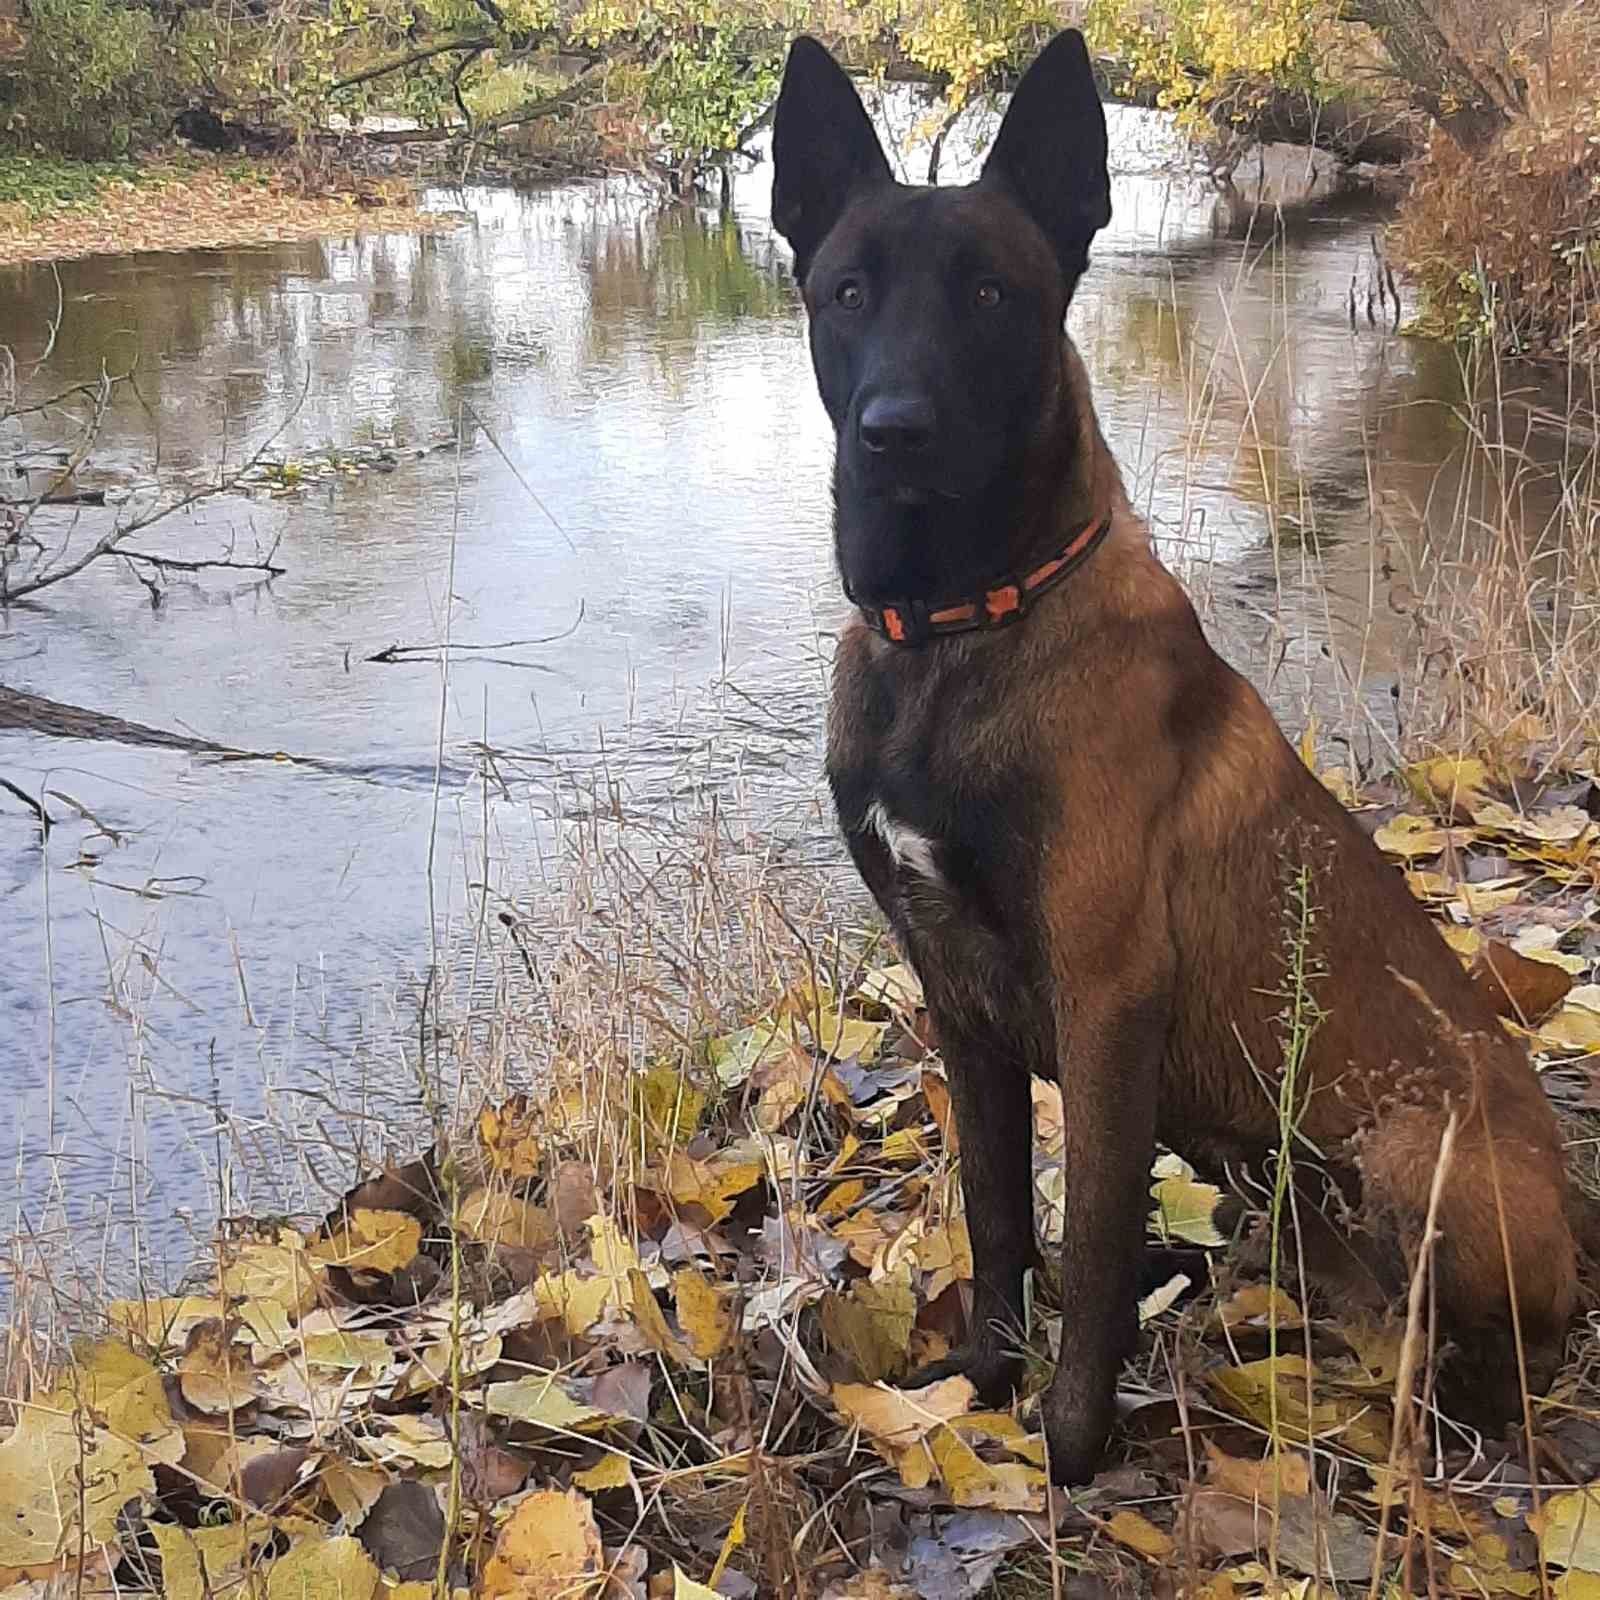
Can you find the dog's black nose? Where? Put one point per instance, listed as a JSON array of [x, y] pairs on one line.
[[897, 425]]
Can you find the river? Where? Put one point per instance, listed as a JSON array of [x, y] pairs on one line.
[[638, 479]]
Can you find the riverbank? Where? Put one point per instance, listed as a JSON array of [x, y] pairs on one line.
[[53, 209], [633, 1325]]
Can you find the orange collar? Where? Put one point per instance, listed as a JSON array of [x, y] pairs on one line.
[[913, 622]]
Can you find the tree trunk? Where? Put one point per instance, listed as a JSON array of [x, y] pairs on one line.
[[1460, 93]]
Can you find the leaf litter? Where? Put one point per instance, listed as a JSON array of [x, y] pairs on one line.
[[658, 1336]]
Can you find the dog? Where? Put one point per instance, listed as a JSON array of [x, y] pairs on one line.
[[1088, 833]]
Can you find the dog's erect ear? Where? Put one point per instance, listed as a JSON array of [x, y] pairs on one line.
[[1050, 153], [824, 149]]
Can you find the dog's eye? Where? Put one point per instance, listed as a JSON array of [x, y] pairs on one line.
[[850, 295], [987, 295]]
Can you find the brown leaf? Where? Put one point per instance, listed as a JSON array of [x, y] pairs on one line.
[[624, 1391], [573, 1197], [214, 1374], [1520, 989], [404, 1531]]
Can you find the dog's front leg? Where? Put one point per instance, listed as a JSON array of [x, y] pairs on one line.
[[993, 1105], [1111, 1044]]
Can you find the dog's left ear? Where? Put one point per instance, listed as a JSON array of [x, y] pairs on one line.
[[1050, 153], [824, 149]]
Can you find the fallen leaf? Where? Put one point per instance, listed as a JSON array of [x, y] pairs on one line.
[[1136, 1532], [667, 1107], [548, 1549], [404, 1531], [896, 987], [612, 1471], [872, 1325], [704, 1314], [489, 1215], [214, 1375], [87, 1445], [285, 1275], [1568, 1528], [684, 1588], [711, 1185], [323, 1568], [512, 1137], [1516, 986], [1411, 836], [1281, 1389], [972, 1481], [371, 1241], [538, 1399], [897, 1421], [1184, 1205]]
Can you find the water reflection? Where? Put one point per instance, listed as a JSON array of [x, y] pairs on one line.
[[642, 477]]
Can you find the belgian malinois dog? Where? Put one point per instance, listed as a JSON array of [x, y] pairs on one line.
[[1085, 828]]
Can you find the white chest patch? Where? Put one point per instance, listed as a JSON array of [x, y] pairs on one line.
[[911, 850]]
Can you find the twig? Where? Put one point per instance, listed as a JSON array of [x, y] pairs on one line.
[[45, 820], [398, 653], [179, 565]]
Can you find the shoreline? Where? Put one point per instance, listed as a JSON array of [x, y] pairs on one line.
[[188, 203]]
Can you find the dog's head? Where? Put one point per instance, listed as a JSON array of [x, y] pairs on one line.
[[936, 314]]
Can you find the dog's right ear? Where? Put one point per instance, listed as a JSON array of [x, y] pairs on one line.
[[824, 149]]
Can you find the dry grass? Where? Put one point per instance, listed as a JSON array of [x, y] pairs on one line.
[[1503, 241]]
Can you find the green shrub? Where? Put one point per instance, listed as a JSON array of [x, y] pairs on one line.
[[94, 78]]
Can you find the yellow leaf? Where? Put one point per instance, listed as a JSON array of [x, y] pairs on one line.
[[348, 1351], [91, 1439], [1410, 836], [1449, 779], [785, 1083], [577, 1302], [181, 1576], [898, 1421], [1259, 1481], [613, 1255], [1575, 1028], [1259, 1305], [611, 1471], [687, 1589], [667, 1106], [1184, 1206], [285, 1275], [354, 1489], [736, 1055], [974, 1482], [703, 1314], [331, 1568], [905, 1146], [896, 987], [711, 1185], [489, 1215], [214, 1375], [872, 1324], [371, 1241], [1568, 1526], [161, 1322], [548, 1549], [512, 1137], [537, 1399], [1284, 1384], [652, 1324], [1138, 1533]]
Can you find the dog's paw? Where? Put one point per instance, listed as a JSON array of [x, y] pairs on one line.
[[995, 1374]]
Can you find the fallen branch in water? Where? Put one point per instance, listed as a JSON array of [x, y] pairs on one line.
[[178, 564], [111, 542], [45, 820], [396, 654]]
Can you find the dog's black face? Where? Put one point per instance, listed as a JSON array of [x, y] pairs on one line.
[[936, 314]]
